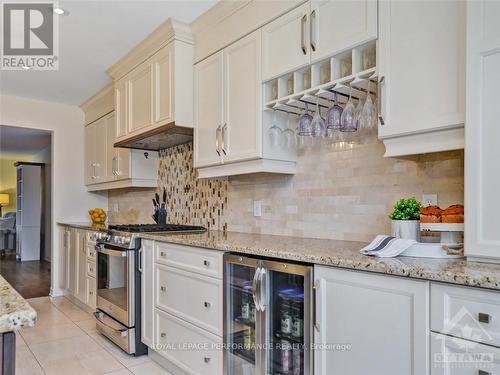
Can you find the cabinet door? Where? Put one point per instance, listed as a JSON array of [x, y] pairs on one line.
[[91, 292], [163, 98], [383, 319], [147, 292], [110, 149], [285, 43], [71, 261], [122, 163], [81, 292], [90, 135], [242, 130], [482, 180], [208, 109], [121, 108], [100, 144], [139, 98], [337, 25], [421, 69]]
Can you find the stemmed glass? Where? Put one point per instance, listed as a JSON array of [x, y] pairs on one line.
[[318, 125], [289, 139], [333, 115], [368, 113], [347, 123], [358, 114], [305, 120], [274, 132]]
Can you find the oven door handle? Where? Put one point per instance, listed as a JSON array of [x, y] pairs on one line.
[[98, 315], [110, 252]]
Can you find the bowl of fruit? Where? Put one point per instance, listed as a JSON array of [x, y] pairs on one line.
[[98, 216]]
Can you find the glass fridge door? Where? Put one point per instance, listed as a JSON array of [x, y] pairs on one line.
[[288, 319], [240, 317]]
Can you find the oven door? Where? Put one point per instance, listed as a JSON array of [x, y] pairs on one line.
[[115, 283]]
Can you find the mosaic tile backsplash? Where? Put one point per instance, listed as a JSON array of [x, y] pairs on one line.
[[336, 193]]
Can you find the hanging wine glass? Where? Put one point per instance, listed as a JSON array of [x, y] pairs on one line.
[[368, 111], [358, 113], [304, 129], [274, 132], [289, 139], [318, 125], [347, 123], [333, 115]]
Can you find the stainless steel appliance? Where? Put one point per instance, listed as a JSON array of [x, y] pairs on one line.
[[267, 317], [119, 281]]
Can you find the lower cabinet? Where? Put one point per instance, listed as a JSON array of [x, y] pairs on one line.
[[380, 324], [147, 292]]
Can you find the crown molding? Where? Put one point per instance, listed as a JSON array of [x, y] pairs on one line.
[[169, 31]]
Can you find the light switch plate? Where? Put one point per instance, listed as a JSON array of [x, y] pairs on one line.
[[429, 200], [257, 208]]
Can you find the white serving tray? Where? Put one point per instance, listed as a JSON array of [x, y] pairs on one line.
[[429, 250], [442, 227]]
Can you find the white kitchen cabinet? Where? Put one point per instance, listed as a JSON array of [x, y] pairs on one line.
[[242, 129], [285, 42], [209, 107], [336, 26], [91, 289], [147, 292], [482, 180], [421, 76], [383, 319], [154, 83], [95, 152], [71, 260], [81, 290], [451, 355]]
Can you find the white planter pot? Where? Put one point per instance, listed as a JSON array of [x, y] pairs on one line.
[[407, 229]]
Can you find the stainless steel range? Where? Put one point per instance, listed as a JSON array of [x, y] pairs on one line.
[[119, 281]]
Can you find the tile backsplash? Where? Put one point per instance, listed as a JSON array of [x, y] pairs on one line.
[[337, 194]]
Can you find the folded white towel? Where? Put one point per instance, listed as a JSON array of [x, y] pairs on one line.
[[386, 246]]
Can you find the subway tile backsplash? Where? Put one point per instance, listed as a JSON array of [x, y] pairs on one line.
[[337, 194]]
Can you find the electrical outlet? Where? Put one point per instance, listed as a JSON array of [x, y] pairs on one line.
[[257, 208], [429, 200]]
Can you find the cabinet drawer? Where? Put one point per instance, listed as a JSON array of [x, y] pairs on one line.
[[90, 237], [91, 253], [468, 313], [90, 288], [195, 350], [193, 297], [206, 262], [450, 355], [91, 269]]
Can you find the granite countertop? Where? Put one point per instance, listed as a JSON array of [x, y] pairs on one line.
[[15, 311], [344, 254]]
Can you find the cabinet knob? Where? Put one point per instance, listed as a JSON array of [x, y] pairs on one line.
[[206, 263], [163, 288], [163, 335], [484, 318], [207, 304], [162, 254], [91, 293], [207, 360]]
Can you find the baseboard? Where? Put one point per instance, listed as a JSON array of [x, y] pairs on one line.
[[56, 292], [79, 303], [165, 363]]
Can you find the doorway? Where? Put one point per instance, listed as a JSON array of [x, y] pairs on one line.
[[25, 209]]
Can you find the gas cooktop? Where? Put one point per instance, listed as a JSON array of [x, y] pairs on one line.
[[142, 228]]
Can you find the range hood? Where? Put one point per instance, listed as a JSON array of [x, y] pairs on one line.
[[160, 138]]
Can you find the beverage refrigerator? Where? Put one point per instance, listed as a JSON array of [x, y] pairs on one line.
[[267, 317]]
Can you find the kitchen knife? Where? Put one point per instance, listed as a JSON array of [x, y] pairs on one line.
[[157, 196], [164, 195]]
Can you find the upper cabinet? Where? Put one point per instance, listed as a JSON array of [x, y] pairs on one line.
[[314, 31], [421, 76], [154, 90], [482, 180], [228, 113], [108, 167]]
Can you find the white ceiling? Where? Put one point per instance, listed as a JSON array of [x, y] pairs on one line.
[[22, 141], [92, 37]]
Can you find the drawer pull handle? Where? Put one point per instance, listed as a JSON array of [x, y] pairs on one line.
[[484, 318], [163, 288], [207, 304], [482, 372], [91, 293], [206, 263], [163, 334], [163, 254], [207, 360]]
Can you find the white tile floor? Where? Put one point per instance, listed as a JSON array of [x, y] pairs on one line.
[[65, 342]]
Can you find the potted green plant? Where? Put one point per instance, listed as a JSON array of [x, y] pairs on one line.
[[405, 218]]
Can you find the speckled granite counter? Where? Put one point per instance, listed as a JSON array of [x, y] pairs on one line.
[[15, 311], [344, 254]]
